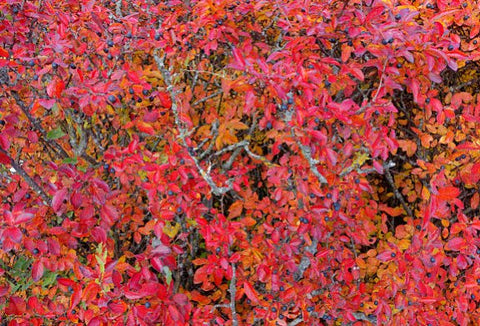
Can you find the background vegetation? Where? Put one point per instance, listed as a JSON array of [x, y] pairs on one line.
[[239, 162]]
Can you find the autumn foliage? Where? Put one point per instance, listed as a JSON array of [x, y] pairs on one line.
[[244, 162]]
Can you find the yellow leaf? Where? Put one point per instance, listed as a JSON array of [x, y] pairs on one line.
[[425, 193], [171, 230], [403, 244]]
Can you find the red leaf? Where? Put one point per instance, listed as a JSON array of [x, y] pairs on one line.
[[109, 213], [23, 217], [4, 159], [76, 297], [13, 233], [65, 282], [117, 307], [181, 299], [331, 155], [4, 142], [55, 88], [455, 244], [174, 313], [16, 306], [448, 193], [4, 53], [165, 100], [145, 127], [250, 292], [415, 86], [47, 104]]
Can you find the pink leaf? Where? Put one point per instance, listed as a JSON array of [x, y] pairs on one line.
[[58, 199], [385, 256], [99, 235], [37, 270], [110, 213], [239, 61], [415, 89], [455, 244], [23, 217]]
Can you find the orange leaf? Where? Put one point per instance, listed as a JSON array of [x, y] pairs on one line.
[[235, 209], [410, 147], [248, 221], [392, 211], [196, 296], [474, 201], [145, 127]]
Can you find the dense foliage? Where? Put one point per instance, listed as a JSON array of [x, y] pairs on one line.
[[239, 162]]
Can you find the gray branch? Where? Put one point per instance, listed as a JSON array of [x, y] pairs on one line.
[[233, 292], [311, 161], [305, 261]]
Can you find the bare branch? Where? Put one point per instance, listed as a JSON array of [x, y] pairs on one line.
[[296, 321], [364, 171], [233, 292], [312, 162], [118, 8], [362, 316], [305, 261], [207, 98], [35, 186], [232, 147]]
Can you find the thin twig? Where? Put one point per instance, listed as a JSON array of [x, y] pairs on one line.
[[212, 141], [207, 98], [397, 193], [232, 147]]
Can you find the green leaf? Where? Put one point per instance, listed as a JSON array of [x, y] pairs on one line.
[[55, 134], [48, 278], [168, 274], [71, 160], [21, 266]]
